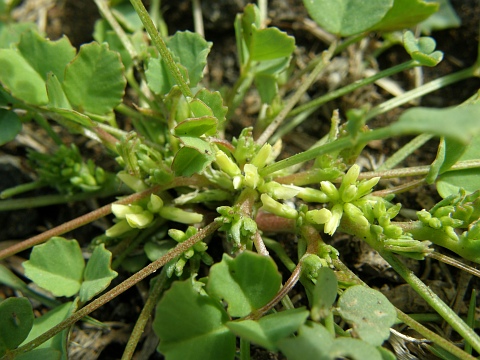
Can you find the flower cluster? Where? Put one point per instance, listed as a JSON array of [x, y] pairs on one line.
[[141, 215], [66, 171]]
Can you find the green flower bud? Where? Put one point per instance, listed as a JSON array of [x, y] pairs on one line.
[[376, 229], [394, 210], [448, 221], [139, 221], [179, 265], [120, 211], [200, 246], [379, 209], [177, 235], [393, 231], [273, 206], [332, 224], [384, 220], [260, 159], [318, 216], [226, 164], [355, 214], [237, 182], [206, 259], [463, 212], [100, 175], [312, 195], [366, 186], [279, 191], [252, 179], [155, 203], [435, 223], [443, 211], [132, 182], [424, 216], [189, 253], [351, 176], [311, 264], [349, 193], [330, 190], [179, 215], [118, 229]]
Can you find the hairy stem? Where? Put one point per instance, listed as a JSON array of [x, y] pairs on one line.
[[117, 290], [153, 297]]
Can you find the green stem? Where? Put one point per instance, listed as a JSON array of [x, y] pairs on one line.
[[292, 101], [155, 293], [420, 91], [20, 189], [108, 15], [435, 302], [161, 47], [237, 93], [117, 290], [405, 151], [315, 104], [244, 349], [47, 200]]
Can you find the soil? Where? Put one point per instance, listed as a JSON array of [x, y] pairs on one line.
[[76, 19]]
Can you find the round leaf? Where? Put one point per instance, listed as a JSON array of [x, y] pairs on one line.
[[56, 266], [16, 320], [369, 312], [20, 79], [347, 17], [324, 293], [94, 81], [268, 330], [269, 44], [246, 283], [98, 273], [10, 124], [191, 325]]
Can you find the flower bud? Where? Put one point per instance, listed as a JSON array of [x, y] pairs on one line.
[[435, 223], [179, 215], [312, 195], [139, 221], [351, 176], [273, 206], [318, 216], [393, 231], [252, 179], [330, 190], [448, 221], [332, 224], [226, 164], [355, 214], [394, 210], [379, 209], [279, 191], [132, 182], [237, 182], [118, 229], [366, 186], [177, 235], [155, 203], [348, 193], [120, 211], [443, 211], [260, 159], [424, 216]]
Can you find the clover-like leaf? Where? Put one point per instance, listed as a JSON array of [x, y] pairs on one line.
[[192, 50], [10, 124], [16, 320], [214, 101], [422, 49], [405, 14], [269, 44], [44, 55], [459, 123], [98, 273], [347, 17], [20, 79], [324, 293], [268, 330], [56, 266], [94, 81], [190, 325], [47, 321], [246, 282], [369, 312]]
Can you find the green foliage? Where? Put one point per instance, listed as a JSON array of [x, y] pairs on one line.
[[191, 325], [16, 321], [198, 186], [231, 281]]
